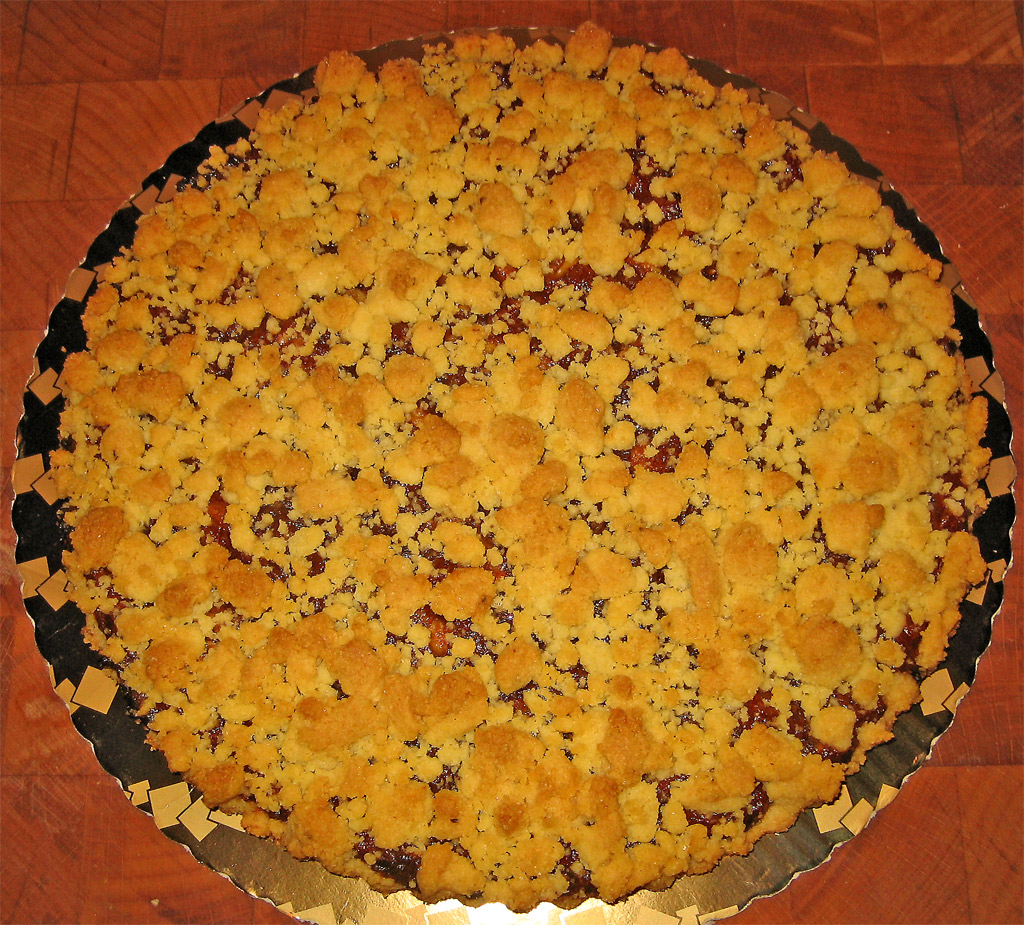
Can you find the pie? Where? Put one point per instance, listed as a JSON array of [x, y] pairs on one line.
[[522, 474]]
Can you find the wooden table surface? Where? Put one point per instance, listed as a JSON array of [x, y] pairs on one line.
[[96, 94]]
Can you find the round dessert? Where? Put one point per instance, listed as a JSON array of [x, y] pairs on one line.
[[520, 474]]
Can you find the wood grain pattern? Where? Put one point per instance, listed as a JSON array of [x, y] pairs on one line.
[[990, 797], [989, 109], [99, 40], [977, 32], [14, 372], [12, 34], [851, 36], [95, 95], [38, 119], [920, 836], [900, 118], [217, 38], [32, 287], [159, 114], [705, 30], [979, 228]]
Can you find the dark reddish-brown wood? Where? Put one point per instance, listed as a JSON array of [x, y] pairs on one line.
[[96, 94]]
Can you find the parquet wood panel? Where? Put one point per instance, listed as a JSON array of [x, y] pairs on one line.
[[851, 37], [704, 30], [36, 142], [156, 115], [873, 107], [98, 39], [12, 34], [96, 94], [217, 38], [976, 32]]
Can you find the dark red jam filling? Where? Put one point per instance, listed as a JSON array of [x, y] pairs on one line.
[[399, 864]]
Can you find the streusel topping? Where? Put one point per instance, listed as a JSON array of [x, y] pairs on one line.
[[522, 474]]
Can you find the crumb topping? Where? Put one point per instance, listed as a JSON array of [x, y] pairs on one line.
[[520, 474]]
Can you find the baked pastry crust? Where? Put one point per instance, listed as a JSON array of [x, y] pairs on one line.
[[522, 474]]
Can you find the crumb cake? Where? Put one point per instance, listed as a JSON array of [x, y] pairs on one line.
[[520, 474]]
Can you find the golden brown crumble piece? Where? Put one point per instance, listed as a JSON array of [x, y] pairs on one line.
[[520, 474]]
